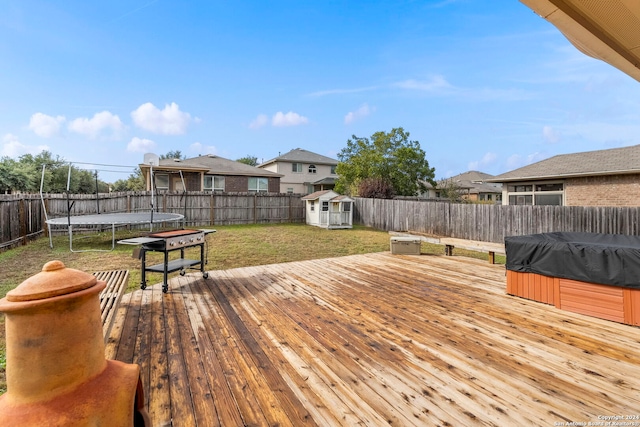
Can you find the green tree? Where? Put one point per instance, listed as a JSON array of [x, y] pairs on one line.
[[177, 154], [135, 182], [248, 160], [391, 157], [15, 176]]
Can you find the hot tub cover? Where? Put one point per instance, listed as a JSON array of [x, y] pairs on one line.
[[608, 259]]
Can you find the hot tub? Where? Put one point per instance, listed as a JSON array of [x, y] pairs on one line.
[[588, 273]]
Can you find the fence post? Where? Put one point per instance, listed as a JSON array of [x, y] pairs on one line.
[[212, 210]]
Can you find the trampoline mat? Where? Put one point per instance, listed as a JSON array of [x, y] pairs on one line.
[[116, 219]]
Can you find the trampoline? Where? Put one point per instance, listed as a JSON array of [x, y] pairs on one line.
[[111, 219]]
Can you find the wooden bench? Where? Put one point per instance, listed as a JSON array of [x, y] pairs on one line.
[[450, 243], [473, 245], [117, 282]]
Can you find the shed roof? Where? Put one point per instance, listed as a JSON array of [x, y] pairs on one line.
[[614, 161], [331, 195]]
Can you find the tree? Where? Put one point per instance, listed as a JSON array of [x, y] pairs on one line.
[[452, 190], [135, 182], [248, 160], [375, 188], [15, 176], [177, 154], [390, 157]]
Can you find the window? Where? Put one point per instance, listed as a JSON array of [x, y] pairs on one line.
[[213, 183], [346, 206], [312, 205], [333, 169], [162, 181], [290, 190], [296, 167], [312, 169], [540, 194], [325, 206], [258, 184], [521, 200]]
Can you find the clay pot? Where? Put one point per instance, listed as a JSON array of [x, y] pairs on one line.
[[57, 374]]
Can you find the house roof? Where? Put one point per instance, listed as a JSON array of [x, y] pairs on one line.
[[318, 194], [213, 164], [302, 156], [325, 181], [614, 161], [473, 181], [606, 30]]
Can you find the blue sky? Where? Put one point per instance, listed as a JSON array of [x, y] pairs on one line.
[[486, 86]]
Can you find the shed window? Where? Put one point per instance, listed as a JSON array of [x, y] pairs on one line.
[[312, 206], [325, 206]]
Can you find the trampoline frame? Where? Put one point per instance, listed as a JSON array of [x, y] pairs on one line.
[[112, 219]]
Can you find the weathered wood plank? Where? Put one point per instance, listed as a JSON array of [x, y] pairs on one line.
[[377, 339]]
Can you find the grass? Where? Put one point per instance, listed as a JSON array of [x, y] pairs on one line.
[[230, 247]]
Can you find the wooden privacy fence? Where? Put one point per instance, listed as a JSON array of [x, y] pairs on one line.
[[22, 216], [492, 223]]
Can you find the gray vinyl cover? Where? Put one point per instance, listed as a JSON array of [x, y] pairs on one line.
[[608, 259]]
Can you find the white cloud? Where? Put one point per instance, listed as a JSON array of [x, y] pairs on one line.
[[290, 119], [260, 121], [517, 161], [343, 91], [360, 113], [101, 123], [435, 83], [141, 145], [202, 149], [550, 135], [169, 121], [44, 125], [486, 160], [13, 148]]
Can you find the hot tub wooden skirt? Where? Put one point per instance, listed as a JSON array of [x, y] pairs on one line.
[[603, 301]]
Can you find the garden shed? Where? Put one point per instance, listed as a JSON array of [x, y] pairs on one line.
[[329, 209]]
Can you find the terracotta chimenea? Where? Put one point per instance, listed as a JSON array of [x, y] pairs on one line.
[[57, 374]]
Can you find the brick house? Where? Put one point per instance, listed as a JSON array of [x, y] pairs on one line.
[[303, 172], [210, 173], [593, 178]]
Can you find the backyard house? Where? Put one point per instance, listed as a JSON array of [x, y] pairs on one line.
[[329, 209], [473, 186], [209, 173], [593, 178], [303, 172]]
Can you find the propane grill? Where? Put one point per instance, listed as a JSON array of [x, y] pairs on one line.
[[167, 242]]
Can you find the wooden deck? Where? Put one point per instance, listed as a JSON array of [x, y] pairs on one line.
[[373, 340]]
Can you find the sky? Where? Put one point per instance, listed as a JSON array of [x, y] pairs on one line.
[[481, 85]]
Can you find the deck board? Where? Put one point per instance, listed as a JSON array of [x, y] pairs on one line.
[[376, 339]]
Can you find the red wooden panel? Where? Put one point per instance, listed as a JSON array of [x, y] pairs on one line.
[[605, 302], [632, 306]]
